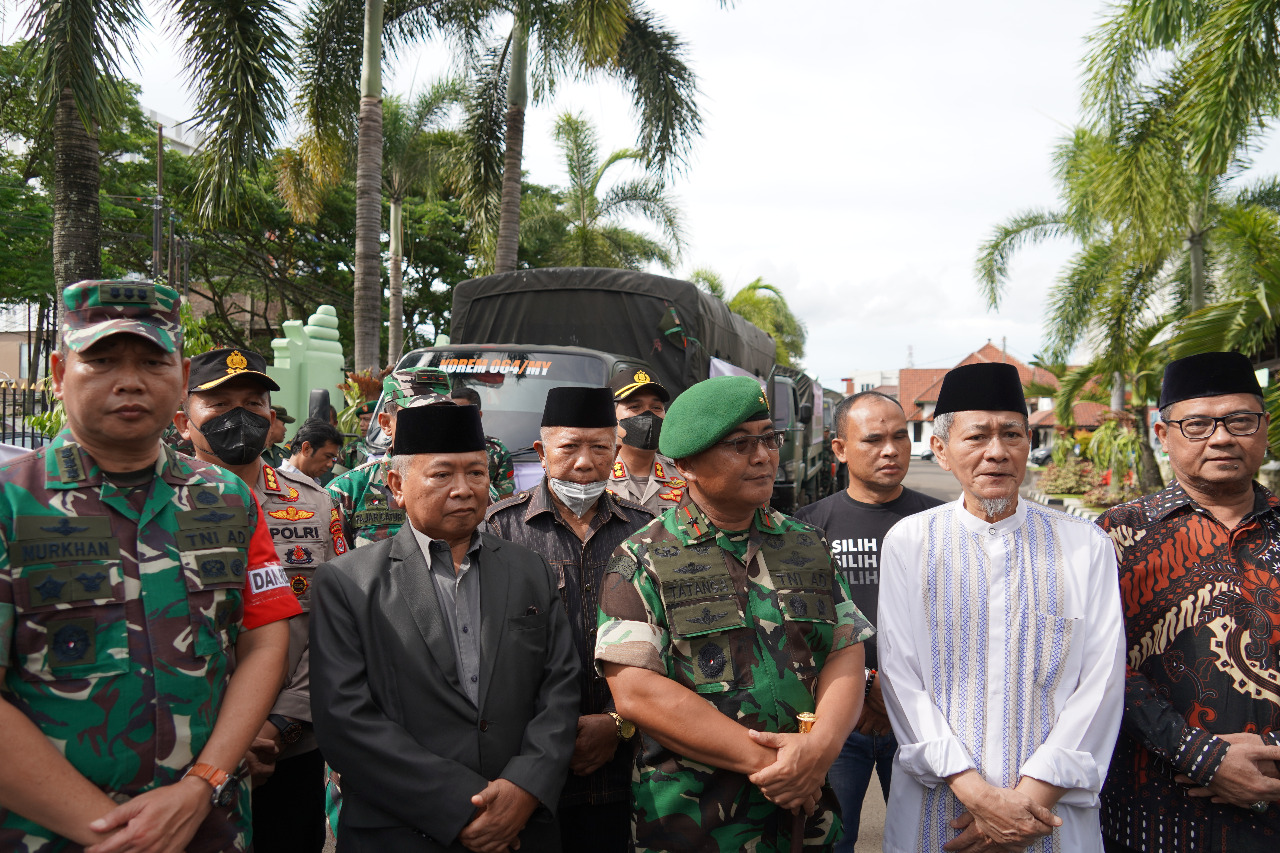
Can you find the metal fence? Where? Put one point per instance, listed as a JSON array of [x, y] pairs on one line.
[[18, 400]]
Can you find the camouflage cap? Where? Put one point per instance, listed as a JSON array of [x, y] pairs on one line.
[[417, 386], [98, 309]]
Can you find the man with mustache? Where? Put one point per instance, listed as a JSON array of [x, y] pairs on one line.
[[1195, 767], [1001, 646], [722, 622]]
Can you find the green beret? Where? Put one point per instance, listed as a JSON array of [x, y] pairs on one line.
[[367, 408], [709, 411]]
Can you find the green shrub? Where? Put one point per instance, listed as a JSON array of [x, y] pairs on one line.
[[1075, 477]]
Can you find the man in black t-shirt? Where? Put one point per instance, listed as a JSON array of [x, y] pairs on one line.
[[872, 440]]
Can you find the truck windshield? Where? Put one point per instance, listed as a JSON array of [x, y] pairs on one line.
[[512, 385]]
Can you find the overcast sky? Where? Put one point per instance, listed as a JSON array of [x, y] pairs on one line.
[[855, 154]]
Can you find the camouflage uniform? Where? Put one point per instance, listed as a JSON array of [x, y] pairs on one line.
[[119, 608], [502, 474], [665, 488], [364, 503], [747, 622]]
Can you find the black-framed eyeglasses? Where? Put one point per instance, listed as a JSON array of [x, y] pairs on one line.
[[748, 443], [1200, 427]]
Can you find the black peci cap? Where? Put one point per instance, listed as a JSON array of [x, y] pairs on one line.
[[438, 429], [984, 387], [1209, 374], [585, 408]]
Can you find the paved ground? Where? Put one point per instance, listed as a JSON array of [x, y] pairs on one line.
[[928, 477]]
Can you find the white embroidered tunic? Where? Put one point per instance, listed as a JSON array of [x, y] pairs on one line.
[[1002, 649]]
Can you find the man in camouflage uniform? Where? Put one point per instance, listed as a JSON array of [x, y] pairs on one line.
[[140, 605], [719, 624], [287, 769], [277, 451], [502, 473], [364, 502]]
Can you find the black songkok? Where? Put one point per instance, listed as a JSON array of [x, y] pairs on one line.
[[585, 408], [1210, 374], [438, 429], [984, 387]]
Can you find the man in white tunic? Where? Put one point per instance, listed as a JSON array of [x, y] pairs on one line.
[[1001, 647]]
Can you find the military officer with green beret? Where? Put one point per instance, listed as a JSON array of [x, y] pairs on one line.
[[227, 416], [141, 641], [364, 502], [720, 623]]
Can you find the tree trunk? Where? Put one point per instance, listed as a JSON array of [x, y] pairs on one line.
[[517, 98], [1117, 406], [1149, 478], [368, 263], [77, 220], [395, 323], [1195, 246]]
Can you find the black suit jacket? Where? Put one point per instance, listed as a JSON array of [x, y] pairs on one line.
[[390, 714]]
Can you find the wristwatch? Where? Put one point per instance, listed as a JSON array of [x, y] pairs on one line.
[[290, 730], [223, 783], [626, 728]]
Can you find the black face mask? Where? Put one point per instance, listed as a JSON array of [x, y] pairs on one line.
[[642, 431], [238, 436]]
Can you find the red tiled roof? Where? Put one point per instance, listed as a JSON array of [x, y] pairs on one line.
[[887, 390], [1086, 413], [912, 383], [921, 385]]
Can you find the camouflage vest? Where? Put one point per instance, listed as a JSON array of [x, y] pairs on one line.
[[715, 627]]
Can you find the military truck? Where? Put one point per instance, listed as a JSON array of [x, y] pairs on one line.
[[516, 335]]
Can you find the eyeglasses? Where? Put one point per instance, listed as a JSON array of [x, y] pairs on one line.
[[1202, 426], [744, 444]]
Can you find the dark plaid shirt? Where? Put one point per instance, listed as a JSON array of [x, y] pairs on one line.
[[1202, 620], [530, 518]]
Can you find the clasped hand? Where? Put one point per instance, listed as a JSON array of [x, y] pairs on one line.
[[794, 779], [999, 819], [1248, 773], [502, 810]]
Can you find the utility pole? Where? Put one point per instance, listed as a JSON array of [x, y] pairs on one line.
[[156, 229]]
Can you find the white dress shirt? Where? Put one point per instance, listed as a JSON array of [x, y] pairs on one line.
[[1002, 649]]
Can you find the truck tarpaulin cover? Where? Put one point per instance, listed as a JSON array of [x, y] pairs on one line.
[[669, 323]]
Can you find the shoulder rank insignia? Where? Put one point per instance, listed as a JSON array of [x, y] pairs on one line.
[[298, 556], [619, 470], [658, 471], [70, 462], [673, 495], [291, 513], [269, 478]]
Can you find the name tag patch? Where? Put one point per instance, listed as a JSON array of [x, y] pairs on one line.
[[268, 578]]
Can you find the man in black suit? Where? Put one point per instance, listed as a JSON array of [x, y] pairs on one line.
[[444, 684]]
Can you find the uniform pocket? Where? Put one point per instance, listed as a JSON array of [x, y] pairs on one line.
[[1053, 650], [70, 621], [215, 597]]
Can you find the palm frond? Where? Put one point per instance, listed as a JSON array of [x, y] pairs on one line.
[[663, 90], [78, 45], [1023, 229], [648, 199], [243, 55]]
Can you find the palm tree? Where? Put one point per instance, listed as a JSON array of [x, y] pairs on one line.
[[238, 55], [589, 221], [412, 162], [764, 305], [550, 38], [342, 42]]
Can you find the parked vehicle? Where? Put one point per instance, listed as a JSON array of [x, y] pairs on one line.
[[516, 335]]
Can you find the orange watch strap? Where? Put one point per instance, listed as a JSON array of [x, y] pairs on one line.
[[209, 773]]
